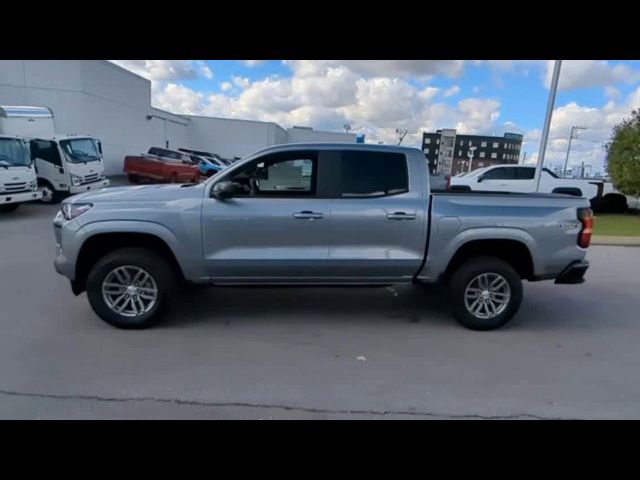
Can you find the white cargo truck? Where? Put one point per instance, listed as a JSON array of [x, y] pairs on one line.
[[18, 182], [64, 164]]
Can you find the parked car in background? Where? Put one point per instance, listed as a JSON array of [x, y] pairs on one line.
[[521, 178], [162, 165], [209, 167], [318, 214]]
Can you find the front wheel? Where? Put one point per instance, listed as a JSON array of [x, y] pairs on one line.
[[49, 194], [486, 293], [131, 288]]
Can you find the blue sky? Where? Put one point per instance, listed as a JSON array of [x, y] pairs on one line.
[[377, 96]]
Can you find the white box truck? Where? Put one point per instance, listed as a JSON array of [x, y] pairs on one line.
[[18, 182], [64, 164]]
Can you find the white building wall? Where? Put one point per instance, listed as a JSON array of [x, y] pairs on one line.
[[233, 138], [98, 98], [301, 135]]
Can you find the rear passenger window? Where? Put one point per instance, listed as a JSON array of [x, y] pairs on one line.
[[523, 173], [499, 174], [373, 174]]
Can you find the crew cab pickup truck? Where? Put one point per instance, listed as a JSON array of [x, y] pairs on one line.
[[161, 165], [318, 214]]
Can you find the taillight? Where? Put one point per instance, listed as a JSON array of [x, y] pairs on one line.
[[585, 215]]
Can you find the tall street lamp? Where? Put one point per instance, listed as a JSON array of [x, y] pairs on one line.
[[470, 153], [547, 121], [571, 137]]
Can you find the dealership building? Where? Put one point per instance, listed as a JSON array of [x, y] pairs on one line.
[[448, 152], [101, 99]]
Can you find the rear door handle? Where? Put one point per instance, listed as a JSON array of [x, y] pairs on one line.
[[401, 216], [308, 215]]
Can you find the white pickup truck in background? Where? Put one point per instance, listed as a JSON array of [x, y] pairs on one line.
[[521, 179]]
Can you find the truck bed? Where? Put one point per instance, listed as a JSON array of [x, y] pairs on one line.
[[533, 219]]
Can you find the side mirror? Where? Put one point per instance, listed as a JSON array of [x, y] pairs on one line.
[[224, 190], [480, 178]]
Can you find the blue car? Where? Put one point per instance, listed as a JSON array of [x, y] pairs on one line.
[[208, 167]]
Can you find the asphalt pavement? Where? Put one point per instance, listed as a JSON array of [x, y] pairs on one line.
[[275, 353]]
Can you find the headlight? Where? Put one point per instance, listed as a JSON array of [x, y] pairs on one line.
[[72, 210], [76, 180], [33, 185]]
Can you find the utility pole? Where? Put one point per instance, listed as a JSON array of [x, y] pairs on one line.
[[571, 137], [547, 121], [402, 133]]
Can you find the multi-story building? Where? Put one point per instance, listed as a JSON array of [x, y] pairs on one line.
[[450, 153]]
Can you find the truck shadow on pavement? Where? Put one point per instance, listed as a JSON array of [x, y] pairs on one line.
[[551, 310], [405, 304]]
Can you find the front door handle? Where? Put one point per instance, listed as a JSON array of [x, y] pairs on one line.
[[401, 216], [308, 215]]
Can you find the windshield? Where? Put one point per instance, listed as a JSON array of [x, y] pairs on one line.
[[13, 153], [81, 150]]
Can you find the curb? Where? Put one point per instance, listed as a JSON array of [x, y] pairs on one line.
[[617, 241]]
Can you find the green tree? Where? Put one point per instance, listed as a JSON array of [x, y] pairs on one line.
[[623, 155]]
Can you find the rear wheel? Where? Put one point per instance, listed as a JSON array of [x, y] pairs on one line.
[[9, 207], [134, 179], [486, 292], [131, 288]]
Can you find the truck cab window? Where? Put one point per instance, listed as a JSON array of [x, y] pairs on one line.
[[281, 175], [47, 151], [372, 174]]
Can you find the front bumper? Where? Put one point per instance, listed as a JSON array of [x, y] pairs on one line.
[[89, 186], [7, 198], [574, 273]]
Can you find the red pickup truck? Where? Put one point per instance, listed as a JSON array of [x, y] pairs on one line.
[[161, 165]]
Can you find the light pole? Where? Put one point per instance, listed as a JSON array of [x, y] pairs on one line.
[[547, 121], [571, 137], [470, 153], [402, 133]]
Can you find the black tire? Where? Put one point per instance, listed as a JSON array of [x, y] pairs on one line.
[[134, 179], [466, 273], [161, 272], [50, 195], [9, 207]]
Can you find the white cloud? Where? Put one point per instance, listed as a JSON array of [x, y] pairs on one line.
[[166, 70], [381, 68], [241, 82], [590, 73], [253, 63], [226, 86], [588, 146], [177, 99], [450, 92]]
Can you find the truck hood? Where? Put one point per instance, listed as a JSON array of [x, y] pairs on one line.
[[140, 193]]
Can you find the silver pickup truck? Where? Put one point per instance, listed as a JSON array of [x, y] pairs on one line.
[[317, 214]]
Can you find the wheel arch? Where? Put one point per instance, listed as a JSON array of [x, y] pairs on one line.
[[515, 252], [99, 244]]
